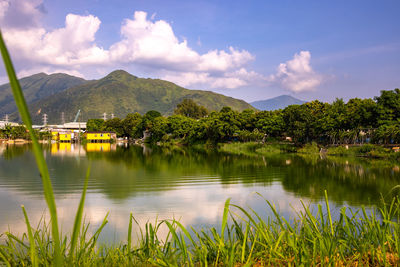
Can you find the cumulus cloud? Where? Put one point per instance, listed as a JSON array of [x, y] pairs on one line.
[[145, 43], [69, 46], [155, 44], [21, 13], [204, 79], [297, 74]]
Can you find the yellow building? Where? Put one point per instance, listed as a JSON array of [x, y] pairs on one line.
[[65, 137], [54, 135], [100, 137]]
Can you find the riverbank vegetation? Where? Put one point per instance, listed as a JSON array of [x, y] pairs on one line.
[[358, 121], [21, 132], [265, 149]]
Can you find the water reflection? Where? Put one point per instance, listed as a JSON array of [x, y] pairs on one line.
[[181, 183]]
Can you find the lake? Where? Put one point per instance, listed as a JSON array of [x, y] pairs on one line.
[[187, 184]]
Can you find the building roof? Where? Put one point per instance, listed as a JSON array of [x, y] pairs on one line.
[[100, 132]]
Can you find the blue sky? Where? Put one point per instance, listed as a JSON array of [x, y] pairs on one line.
[[251, 50]]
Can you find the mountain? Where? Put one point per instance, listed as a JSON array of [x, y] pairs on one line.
[[120, 93], [278, 102], [36, 87]]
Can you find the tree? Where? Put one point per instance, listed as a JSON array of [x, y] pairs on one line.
[[247, 119], [7, 131], [270, 123], [151, 114], [19, 132], [388, 106], [146, 122], [180, 126], [190, 109], [130, 125], [95, 125], [114, 125], [158, 128]]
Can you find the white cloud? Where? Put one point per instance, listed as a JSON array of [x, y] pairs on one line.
[[21, 13], [69, 46], [204, 80], [145, 43], [297, 74], [154, 44]]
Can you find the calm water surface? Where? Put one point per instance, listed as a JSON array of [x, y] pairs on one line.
[[189, 185]]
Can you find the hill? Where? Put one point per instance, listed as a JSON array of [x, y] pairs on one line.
[[278, 102], [36, 87], [120, 93]]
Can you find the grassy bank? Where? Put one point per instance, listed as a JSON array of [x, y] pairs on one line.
[[244, 239], [254, 149]]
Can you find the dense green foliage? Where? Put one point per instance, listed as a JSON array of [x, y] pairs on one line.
[[120, 93], [189, 108], [36, 87], [16, 132], [355, 122]]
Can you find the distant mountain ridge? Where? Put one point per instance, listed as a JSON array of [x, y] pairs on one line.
[[36, 87], [279, 102], [120, 93]]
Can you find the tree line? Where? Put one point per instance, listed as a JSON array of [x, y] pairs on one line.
[[374, 120]]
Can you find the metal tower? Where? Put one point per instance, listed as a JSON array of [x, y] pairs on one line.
[[45, 119]]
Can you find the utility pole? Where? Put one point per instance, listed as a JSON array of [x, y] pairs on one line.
[[45, 119], [62, 118], [6, 119], [104, 116]]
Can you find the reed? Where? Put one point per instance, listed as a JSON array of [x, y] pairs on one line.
[[246, 238]]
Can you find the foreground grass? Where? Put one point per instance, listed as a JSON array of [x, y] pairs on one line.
[[357, 238]]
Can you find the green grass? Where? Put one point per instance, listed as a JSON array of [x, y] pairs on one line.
[[255, 148], [245, 238], [309, 149]]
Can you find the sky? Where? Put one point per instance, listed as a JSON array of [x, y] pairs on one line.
[[252, 50]]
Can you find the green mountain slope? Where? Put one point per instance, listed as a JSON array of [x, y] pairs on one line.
[[278, 102], [36, 87], [120, 93]]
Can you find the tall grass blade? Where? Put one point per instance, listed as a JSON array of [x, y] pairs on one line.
[[129, 234], [225, 217], [329, 212], [32, 249], [224, 222], [79, 215], [3, 258], [41, 163], [244, 245]]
